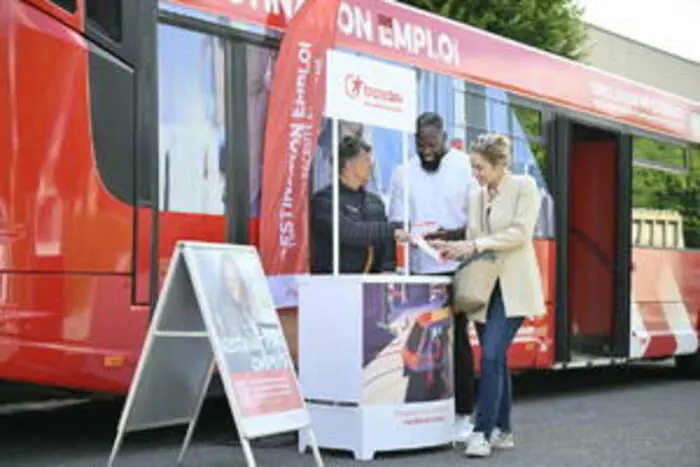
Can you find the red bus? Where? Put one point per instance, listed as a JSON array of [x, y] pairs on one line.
[[128, 125]]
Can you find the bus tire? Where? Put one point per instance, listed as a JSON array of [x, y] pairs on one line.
[[688, 366]]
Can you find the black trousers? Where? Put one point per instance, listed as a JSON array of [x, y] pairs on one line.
[[462, 361]]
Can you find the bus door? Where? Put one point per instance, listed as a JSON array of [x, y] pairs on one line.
[[595, 256]]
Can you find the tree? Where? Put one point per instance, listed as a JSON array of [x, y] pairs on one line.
[[551, 25]]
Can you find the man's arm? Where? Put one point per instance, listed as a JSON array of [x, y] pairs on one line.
[[352, 232], [447, 234]]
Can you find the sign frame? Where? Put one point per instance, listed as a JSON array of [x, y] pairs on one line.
[[183, 323]]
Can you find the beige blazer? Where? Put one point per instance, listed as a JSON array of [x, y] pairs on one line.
[[514, 213]]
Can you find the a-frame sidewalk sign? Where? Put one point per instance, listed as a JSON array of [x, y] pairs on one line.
[[215, 313]]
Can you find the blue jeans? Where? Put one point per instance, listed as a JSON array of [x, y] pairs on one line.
[[495, 392]]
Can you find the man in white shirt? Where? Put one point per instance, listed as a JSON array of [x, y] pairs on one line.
[[438, 183], [438, 180]]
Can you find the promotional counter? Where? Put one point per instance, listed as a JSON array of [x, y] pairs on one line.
[[375, 362], [375, 350]]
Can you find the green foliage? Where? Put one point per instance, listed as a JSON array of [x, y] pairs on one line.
[[552, 25]]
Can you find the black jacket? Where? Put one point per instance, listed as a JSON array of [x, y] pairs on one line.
[[363, 224]]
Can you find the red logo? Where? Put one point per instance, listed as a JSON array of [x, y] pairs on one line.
[[356, 87], [353, 86]]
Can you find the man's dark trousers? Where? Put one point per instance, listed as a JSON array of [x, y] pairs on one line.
[[462, 360]]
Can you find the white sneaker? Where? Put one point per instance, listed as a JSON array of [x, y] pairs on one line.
[[478, 446], [502, 440], [463, 428]]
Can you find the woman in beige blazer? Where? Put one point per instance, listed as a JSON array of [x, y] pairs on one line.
[[503, 213]]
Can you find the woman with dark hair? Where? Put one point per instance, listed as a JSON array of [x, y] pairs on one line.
[[241, 325]]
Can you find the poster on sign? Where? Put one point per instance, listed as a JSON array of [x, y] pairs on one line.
[[254, 357]]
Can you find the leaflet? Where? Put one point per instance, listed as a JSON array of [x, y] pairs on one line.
[[423, 245]]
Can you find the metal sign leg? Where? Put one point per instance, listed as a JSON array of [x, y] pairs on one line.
[[314, 447], [248, 452], [197, 412], [115, 448]]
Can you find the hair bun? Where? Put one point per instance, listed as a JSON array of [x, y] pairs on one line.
[[495, 147], [501, 140]]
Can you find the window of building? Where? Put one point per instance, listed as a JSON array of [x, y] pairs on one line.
[[106, 16], [665, 195], [68, 5]]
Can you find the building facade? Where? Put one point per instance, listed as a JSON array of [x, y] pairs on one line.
[[638, 61]]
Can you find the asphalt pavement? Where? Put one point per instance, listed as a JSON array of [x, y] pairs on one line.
[[637, 417]]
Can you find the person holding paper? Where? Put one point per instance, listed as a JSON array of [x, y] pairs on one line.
[[367, 239], [503, 216], [436, 185]]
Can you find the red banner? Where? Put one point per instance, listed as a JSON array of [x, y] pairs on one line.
[[294, 118]]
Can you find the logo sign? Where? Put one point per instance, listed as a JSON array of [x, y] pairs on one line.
[[367, 91]]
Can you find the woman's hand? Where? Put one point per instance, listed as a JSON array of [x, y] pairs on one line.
[[454, 250], [439, 234], [438, 244]]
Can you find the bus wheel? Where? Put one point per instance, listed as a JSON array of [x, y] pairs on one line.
[[688, 365]]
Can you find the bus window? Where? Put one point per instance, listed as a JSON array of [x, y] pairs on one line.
[[490, 109], [191, 121], [260, 62], [692, 227], [530, 119], [661, 153], [68, 5], [664, 195]]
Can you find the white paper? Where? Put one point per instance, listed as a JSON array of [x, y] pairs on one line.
[[424, 246], [423, 228]]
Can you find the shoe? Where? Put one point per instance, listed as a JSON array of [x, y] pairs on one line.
[[478, 446], [463, 428], [502, 440]]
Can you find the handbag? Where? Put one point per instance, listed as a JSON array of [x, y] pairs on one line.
[[474, 282], [475, 279]]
